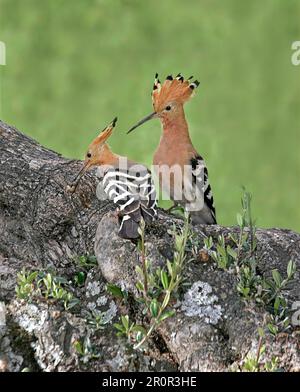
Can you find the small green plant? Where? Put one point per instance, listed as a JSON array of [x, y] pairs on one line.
[[155, 289], [249, 282], [237, 250], [274, 287], [246, 240], [253, 364], [273, 296], [26, 284], [96, 320], [86, 262], [224, 255], [50, 287], [256, 362], [239, 254], [86, 350], [79, 278], [130, 330], [116, 291], [272, 366], [34, 285]]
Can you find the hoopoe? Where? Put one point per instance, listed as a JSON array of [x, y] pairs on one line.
[[128, 184], [181, 170]]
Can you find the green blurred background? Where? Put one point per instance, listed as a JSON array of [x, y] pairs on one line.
[[73, 65]]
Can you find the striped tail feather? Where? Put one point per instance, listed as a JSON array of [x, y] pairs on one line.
[[148, 213], [130, 221], [128, 228], [134, 194], [149, 202]]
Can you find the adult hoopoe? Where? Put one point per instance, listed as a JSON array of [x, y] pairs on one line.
[[128, 184], [181, 170]]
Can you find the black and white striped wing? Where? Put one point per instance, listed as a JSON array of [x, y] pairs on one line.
[[200, 179], [132, 192], [148, 198]]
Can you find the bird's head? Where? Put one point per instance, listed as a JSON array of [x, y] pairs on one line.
[[95, 154], [169, 97]]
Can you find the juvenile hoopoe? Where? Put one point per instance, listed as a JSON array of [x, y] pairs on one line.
[[128, 184], [181, 170]]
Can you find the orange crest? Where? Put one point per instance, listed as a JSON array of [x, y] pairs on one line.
[[176, 89], [104, 134]]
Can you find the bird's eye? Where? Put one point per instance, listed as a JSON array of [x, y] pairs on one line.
[[88, 155], [168, 107]]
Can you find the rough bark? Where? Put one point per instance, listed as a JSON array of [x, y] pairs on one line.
[[44, 227]]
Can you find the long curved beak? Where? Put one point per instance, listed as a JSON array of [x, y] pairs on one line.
[[145, 119], [78, 176]]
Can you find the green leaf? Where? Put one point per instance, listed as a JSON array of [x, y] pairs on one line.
[[125, 321], [114, 290], [272, 328], [71, 303], [165, 315], [268, 284], [139, 285], [32, 276], [277, 277], [139, 328], [158, 272], [277, 303], [261, 332], [142, 224], [291, 269], [240, 220], [139, 336], [164, 279], [170, 267], [231, 252], [208, 243], [60, 280], [147, 264], [154, 308], [178, 242], [139, 270], [166, 299], [48, 280], [220, 249], [221, 240], [139, 244], [78, 347], [119, 327], [246, 291], [262, 350], [80, 278]]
